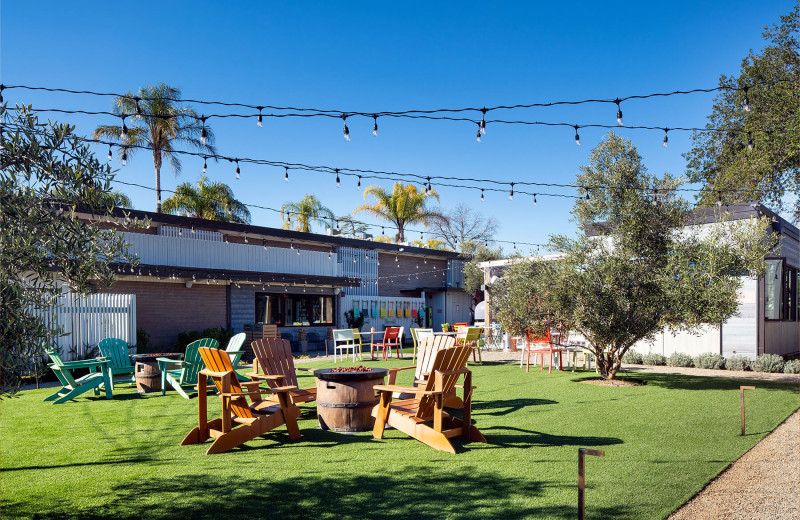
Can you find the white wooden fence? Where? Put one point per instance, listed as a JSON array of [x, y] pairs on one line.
[[87, 319]]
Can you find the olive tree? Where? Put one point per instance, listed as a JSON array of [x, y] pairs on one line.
[[643, 264], [46, 173]]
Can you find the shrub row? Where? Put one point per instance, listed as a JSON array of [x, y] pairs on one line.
[[763, 363]]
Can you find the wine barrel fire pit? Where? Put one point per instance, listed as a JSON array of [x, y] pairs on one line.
[[346, 396]]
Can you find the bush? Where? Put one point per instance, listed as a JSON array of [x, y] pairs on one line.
[[654, 359], [709, 360], [143, 345], [679, 359], [768, 363], [632, 357], [792, 367], [737, 363], [220, 334]]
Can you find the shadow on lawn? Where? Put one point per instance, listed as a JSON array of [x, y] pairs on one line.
[[506, 406], [430, 492], [519, 438], [686, 382]]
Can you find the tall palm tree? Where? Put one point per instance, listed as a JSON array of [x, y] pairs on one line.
[[156, 119], [402, 206], [212, 201], [306, 211]]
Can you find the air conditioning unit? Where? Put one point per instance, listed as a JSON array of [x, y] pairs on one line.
[[333, 232]]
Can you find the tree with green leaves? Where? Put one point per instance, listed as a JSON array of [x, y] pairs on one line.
[[402, 206], [755, 156], [304, 212], [648, 265], [478, 252], [154, 118], [44, 247], [211, 201]]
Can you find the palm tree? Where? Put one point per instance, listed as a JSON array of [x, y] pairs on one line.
[[158, 121], [214, 201], [404, 205], [306, 211]]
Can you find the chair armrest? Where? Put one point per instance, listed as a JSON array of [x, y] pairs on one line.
[[253, 375], [237, 394], [305, 369], [406, 389], [163, 361], [249, 385], [281, 389], [462, 386], [401, 368], [210, 373], [86, 363], [452, 372]]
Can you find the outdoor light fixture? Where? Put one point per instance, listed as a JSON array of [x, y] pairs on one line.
[[375, 126], [109, 153], [482, 124], [619, 111], [511, 195], [346, 130], [746, 100], [259, 116], [577, 136], [338, 181], [482, 199], [359, 183], [666, 138], [124, 134], [286, 174], [238, 172], [204, 165]]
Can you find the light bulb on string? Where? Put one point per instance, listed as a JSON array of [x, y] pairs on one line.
[[245, 238], [511, 195], [124, 134], [203, 131], [482, 124], [655, 197], [383, 231], [109, 153], [124, 157], [264, 244], [338, 181], [429, 189], [359, 183], [2, 87], [482, 198], [619, 111], [375, 126], [749, 140], [478, 135], [260, 119], [577, 136], [719, 198], [346, 130], [666, 137], [238, 171], [534, 199], [205, 165], [746, 100], [286, 174]]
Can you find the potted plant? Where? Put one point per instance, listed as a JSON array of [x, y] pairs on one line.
[[445, 327]]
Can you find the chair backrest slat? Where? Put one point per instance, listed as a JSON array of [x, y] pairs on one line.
[[274, 356], [428, 348], [64, 376], [447, 359], [236, 342], [343, 335], [192, 362], [218, 360], [116, 350]]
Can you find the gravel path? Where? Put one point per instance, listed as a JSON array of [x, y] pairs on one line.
[[762, 484]]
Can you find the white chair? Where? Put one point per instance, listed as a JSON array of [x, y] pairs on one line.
[[343, 340], [234, 350], [418, 334]]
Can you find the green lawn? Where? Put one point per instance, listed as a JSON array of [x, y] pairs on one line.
[[93, 458]]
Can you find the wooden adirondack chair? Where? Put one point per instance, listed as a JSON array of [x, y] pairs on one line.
[[119, 359], [234, 350], [274, 358], [72, 388], [190, 366], [417, 334], [240, 421], [423, 417], [429, 347]]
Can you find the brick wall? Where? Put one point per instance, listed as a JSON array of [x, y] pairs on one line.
[[164, 309]]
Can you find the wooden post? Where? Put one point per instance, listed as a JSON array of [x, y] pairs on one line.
[[581, 480], [741, 399]]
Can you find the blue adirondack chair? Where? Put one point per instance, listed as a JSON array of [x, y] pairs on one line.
[[99, 375], [234, 350], [190, 367], [116, 350]]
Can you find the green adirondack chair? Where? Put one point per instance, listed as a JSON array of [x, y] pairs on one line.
[[234, 350], [190, 366], [99, 375], [116, 350]]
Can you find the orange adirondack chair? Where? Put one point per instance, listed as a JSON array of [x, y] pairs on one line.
[[391, 338], [274, 357], [423, 416], [240, 421]]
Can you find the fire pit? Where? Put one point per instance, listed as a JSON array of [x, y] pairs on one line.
[[345, 397], [148, 375]]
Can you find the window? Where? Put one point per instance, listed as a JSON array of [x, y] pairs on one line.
[[780, 291], [289, 310]]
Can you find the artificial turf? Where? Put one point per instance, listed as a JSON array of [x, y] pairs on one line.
[[93, 458]]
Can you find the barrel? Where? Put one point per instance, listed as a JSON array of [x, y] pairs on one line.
[[148, 377], [345, 404]]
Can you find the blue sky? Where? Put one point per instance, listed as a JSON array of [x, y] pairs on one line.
[[364, 56]]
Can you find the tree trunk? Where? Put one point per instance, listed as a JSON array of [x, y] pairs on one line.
[[157, 164], [608, 364]]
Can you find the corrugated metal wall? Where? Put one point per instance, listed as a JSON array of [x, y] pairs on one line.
[[359, 263]]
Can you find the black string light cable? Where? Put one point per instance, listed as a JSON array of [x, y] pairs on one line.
[[395, 176]]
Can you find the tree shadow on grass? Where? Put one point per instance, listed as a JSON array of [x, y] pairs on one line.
[[419, 492], [499, 407], [687, 382], [519, 438]]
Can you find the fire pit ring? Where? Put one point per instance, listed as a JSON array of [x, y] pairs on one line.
[[345, 399]]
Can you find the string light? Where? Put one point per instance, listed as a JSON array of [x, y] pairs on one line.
[[482, 198], [359, 183], [124, 134], [264, 244], [124, 157], [482, 124], [203, 131], [375, 125], [746, 99], [429, 189], [2, 87], [577, 137], [260, 120], [109, 153], [338, 181], [719, 198], [478, 136], [619, 111], [749, 140], [286, 174], [511, 195], [655, 197], [666, 138], [534, 199], [205, 165], [346, 130], [245, 238], [238, 171]]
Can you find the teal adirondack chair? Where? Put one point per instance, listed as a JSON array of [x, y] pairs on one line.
[[234, 350], [190, 367], [116, 350], [99, 375]]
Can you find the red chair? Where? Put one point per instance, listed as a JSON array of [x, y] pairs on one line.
[[540, 345], [391, 338]]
